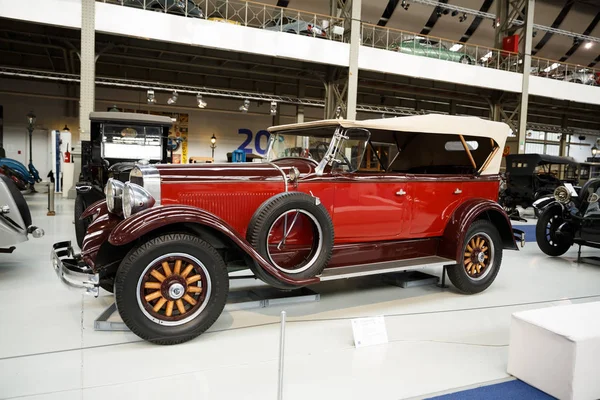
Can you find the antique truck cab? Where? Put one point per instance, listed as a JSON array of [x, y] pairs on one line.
[[334, 199], [118, 141]]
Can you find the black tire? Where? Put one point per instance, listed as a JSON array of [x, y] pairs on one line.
[[136, 266], [108, 284], [459, 275], [465, 60], [268, 213], [545, 233], [81, 225]]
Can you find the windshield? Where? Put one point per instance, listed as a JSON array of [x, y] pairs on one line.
[[348, 155]]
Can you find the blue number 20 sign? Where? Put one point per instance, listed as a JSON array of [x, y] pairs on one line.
[[258, 142]]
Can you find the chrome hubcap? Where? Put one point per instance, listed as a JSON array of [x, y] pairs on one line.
[[481, 257], [176, 291]]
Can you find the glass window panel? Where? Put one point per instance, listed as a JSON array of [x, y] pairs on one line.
[[553, 137], [552, 149], [534, 148]]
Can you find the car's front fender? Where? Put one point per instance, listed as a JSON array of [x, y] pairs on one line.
[[545, 202], [147, 221], [468, 212]]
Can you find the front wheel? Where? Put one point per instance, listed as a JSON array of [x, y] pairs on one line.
[[171, 288], [545, 233], [480, 261]]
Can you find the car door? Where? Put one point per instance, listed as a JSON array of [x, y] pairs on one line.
[[371, 207], [434, 199]]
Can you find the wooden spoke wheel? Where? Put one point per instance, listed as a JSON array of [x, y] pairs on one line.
[[173, 289], [478, 256]]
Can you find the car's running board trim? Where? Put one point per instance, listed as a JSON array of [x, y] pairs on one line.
[[384, 267]]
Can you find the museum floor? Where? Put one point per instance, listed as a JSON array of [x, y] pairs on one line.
[[439, 341]]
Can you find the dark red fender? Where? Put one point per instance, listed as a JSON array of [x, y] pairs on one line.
[[148, 220], [468, 212], [98, 231], [97, 207]]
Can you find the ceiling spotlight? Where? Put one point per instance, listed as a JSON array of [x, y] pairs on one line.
[[454, 13], [534, 33], [405, 5], [151, 97], [173, 99], [588, 45], [576, 41], [273, 108], [446, 11], [438, 11], [201, 103], [245, 107], [462, 18]]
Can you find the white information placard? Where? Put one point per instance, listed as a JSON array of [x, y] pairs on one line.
[[369, 331]]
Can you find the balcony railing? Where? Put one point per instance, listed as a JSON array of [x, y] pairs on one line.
[[264, 16], [565, 72], [439, 48], [247, 13], [483, 56]]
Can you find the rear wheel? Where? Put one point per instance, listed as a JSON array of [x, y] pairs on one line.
[[480, 261], [171, 288], [465, 60], [545, 233]]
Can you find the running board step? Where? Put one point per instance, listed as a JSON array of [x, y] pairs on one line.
[[384, 267]]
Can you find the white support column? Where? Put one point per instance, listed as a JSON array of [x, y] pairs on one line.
[[88, 67], [300, 108], [523, 108], [354, 48]]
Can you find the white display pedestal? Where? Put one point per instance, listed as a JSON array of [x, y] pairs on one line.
[[68, 170], [557, 350]]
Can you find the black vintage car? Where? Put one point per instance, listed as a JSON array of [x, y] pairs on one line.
[[530, 177], [572, 217], [118, 141]]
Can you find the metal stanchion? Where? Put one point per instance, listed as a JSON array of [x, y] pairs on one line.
[[281, 354], [51, 212]]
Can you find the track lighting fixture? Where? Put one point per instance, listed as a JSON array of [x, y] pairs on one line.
[[454, 13], [534, 33], [201, 102], [245, 107], [446, 11], [438, 11], [151, 97], [576, 41], [462, 18], [405, 5], [173, 99], [273, 108]]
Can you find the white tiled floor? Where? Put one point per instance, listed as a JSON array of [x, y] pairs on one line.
[[439, 340]]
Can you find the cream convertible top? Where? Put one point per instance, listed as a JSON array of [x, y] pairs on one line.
[[432, 123]]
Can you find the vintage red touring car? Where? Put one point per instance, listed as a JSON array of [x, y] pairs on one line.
[[333, 199]]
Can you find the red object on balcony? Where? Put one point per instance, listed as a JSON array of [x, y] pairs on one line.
[[511, 43]]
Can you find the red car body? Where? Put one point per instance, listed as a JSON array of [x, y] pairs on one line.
[[343, 219]]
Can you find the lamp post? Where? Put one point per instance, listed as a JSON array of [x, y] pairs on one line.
[[213, 145], [30, 127], [594, 151]]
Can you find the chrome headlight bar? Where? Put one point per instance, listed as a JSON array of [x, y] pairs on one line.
[[135, 199], [114, 193]]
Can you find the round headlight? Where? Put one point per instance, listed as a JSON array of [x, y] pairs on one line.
[[562, 195], [135, 199], [114, 192]]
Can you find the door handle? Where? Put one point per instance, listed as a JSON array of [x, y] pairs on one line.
[[400, 192], [457, 191]]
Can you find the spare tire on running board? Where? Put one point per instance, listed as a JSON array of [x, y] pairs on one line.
[[294, 233]]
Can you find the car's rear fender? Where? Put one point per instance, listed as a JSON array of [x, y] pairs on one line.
[[159, 219], [468, 212]]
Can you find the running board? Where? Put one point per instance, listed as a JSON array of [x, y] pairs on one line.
[[352, 271]]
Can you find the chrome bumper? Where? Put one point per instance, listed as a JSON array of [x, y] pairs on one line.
[[72, 271]]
